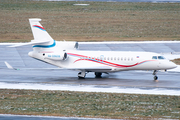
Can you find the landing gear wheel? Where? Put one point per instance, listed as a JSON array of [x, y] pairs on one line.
[[81, 75], [98, 74], [155, 78]]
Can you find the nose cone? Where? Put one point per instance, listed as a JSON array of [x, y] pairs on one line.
[[171, 65], [166, 64]]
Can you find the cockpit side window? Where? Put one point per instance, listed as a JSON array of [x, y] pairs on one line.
[[154, 57], [161, 57]]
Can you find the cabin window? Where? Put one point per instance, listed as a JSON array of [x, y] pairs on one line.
[[118, 58], [111, 58], [114, 58], [131, 59], [104, 58]]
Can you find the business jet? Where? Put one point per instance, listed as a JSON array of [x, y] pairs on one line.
[[66, 55]]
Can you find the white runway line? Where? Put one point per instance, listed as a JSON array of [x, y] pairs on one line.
[[90, 88]]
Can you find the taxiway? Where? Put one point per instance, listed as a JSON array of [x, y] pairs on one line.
[[18, 58]]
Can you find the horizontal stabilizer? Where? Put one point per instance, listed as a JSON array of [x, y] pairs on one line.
[[30, 43]]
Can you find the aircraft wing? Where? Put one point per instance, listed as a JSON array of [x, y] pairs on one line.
[[10, 67], [92, 69], [89, 69]]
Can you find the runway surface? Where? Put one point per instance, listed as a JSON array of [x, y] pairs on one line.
[[32, 117], [141, 80], [133, 82]]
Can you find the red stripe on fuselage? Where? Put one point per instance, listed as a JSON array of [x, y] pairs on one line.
[[106, 62]]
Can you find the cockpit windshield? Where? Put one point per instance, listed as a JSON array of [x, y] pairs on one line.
[[154, 57], [158, 57], [161, 57]]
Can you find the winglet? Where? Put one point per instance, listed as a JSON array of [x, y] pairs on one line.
[[8, 65]]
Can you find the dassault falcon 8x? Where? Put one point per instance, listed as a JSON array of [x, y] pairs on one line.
[[65, 55]]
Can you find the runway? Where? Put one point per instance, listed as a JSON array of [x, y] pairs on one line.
[[121, 81], [33, 117]]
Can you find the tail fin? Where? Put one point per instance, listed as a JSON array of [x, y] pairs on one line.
[[41, 36], [39, 33]]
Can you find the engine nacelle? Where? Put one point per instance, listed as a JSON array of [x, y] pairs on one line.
[[56, 56]]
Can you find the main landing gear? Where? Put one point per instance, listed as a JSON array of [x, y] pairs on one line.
[[155, 76], [82, 74], [98, 74]]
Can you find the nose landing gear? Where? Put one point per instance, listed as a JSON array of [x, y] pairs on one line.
[[155, 76]]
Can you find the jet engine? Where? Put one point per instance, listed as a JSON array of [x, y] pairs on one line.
[[56, 56]]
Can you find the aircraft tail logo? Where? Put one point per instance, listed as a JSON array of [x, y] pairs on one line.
[[39, 33], [41, 28]]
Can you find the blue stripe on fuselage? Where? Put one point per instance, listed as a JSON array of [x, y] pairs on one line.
[[46, 46]]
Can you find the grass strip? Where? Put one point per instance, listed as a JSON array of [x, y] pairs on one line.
[[100, 21], [81, 104], [177, 61]]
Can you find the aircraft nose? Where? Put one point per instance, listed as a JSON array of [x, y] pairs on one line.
[[172, 65], [167, 65]]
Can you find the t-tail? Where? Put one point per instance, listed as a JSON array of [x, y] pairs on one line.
[[39, 33], [41, 36]]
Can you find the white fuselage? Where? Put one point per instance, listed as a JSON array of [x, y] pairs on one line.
[[114, 60], [65, 55]]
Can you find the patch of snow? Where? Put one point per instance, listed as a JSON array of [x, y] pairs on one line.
[[90, 88]]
